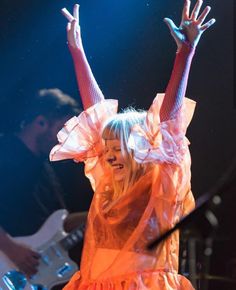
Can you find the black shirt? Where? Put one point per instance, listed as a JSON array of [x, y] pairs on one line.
[[29, 188]]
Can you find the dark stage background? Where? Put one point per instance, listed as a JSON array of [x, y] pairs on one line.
[[131, 53]]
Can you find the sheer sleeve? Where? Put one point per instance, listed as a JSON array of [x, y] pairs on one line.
[[175, 91], [162, 142], [80, 139], [89, 90]]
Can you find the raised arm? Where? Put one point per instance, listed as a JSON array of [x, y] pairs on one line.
[[88, 87], [187, 36]]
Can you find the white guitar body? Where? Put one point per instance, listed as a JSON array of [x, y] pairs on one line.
[[55, 265]]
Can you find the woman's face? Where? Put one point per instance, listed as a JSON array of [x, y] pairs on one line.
[[115, 159]]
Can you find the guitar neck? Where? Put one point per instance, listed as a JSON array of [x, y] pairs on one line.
[[72, 238]]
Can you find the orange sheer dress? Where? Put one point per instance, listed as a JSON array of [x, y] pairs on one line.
[[115, 256]]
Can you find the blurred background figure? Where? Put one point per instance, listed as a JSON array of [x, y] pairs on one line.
[[31, 189]]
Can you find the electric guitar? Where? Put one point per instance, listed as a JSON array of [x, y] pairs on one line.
[[55, 266]]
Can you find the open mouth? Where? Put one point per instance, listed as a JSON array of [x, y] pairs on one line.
[[118, 166]]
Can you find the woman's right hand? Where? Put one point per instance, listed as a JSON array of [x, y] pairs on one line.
[[89, 90], [73, 28]]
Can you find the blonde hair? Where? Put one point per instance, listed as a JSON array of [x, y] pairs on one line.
[[119, 127]]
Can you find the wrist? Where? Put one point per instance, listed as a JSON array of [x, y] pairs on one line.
[[76, 52], [6, 243], [74, 48], [186, 48]]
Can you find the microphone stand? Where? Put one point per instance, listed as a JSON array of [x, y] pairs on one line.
[[204, 204]]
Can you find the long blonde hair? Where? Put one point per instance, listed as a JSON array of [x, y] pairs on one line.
[[119, 127]]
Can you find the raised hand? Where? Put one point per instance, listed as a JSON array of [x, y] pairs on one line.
[[191, 27], [73, 28], [88, 87]]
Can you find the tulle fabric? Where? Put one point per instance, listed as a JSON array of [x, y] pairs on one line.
[[156, 280], [162, 141], [115, 254], [80, 138]]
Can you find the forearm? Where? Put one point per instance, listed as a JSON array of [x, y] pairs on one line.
[[177, 85], [88, 87], [75, 220], [5, 241]]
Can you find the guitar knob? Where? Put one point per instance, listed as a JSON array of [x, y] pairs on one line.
[[15, 280]]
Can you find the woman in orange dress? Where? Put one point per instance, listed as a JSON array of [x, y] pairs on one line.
[[138, 164]]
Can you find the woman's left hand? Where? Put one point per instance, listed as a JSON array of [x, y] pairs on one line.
[[191, 27]]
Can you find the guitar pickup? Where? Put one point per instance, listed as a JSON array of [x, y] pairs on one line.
[[57, 251], [64, 270], [46, 260]]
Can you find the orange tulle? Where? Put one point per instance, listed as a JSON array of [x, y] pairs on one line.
[[115, 254], [156, 280]]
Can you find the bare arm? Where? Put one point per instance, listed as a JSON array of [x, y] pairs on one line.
[[75, 220]]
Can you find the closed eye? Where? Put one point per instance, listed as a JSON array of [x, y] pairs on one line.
[[117, 149]]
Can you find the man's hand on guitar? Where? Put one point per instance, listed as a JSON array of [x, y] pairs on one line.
[[24, 258], [52, 266]]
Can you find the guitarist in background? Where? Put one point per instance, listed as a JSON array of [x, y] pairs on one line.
[[30, 190]]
